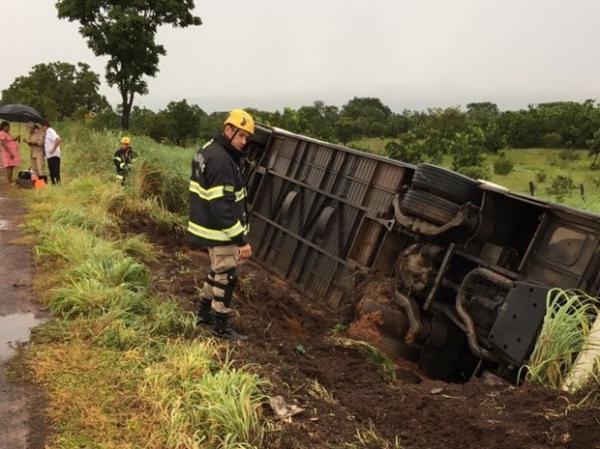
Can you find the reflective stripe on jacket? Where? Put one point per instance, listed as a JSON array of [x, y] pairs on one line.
[[217, 196], [123, 160]]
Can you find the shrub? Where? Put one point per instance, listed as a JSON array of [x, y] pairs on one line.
[[561, 185], [405, 152], [552, 140], [414, 148], [503, 165], [475, 172], [569, 155], [593, 180], [541, 176]]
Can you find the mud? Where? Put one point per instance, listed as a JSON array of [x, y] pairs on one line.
[[21, 405], [292, 343]]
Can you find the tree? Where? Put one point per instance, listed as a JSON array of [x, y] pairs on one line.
[[143, 121], [211, 123], [290, 120], [397, 124], [125, 32], [58, 90], [181, 121], [411, 148], [104, 119], [318, 120], [448, 122], [346, 130], [369, 115], [483, 114], [594, 147], [494, 139], [468, 153]]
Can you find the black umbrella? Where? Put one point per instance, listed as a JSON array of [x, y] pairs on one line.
[[19, 113]]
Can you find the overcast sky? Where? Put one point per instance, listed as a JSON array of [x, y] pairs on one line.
[[410, 53]]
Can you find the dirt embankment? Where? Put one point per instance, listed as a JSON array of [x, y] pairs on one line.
[[21, 404], [342, 391]]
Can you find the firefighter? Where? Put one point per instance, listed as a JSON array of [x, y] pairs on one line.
[[218, 218], [123, 159]]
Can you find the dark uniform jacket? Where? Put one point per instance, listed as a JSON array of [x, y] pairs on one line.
[[217, 196], [123, 160]]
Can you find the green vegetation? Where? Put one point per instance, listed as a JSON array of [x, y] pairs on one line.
[[540, 166], [567, 325], [123, 366], [200, 401], [125, 32], [503, 165], [383, 363], [412, 136], [58, 90], [375, 145]]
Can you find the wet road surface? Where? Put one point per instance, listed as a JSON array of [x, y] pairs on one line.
[[20, 426]]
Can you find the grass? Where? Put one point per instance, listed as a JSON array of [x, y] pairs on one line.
[[567, 324], [201, 403], [123, 367], [374, 145], [318, 391], [529, 163], [368, 437], [383, 363]]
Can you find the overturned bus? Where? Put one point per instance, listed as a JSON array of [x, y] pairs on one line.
[[451, 271]]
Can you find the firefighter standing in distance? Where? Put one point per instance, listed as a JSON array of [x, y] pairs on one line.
[[218, 218], [123, 159]]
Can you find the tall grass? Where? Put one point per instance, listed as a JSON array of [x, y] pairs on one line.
[[566, 328], [118, 360], [202, 403]]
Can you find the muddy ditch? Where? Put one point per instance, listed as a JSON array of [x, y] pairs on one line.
[[342, 391]]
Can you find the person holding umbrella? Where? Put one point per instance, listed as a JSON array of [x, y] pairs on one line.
[[19, 113], [10, 150]]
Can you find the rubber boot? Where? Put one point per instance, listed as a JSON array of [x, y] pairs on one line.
[[205, 314], [224, 330]]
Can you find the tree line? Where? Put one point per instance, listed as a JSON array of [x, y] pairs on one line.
[[61, 90], [125, 33]]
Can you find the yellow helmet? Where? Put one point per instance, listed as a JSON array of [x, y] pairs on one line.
[[126, 140], [241, 120]]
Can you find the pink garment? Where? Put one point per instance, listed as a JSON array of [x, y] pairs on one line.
[[10, 147]]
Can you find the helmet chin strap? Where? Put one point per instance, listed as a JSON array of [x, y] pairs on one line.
[[233, 136]]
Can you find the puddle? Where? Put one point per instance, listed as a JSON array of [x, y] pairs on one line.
[[4, 225], [15, 328]]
